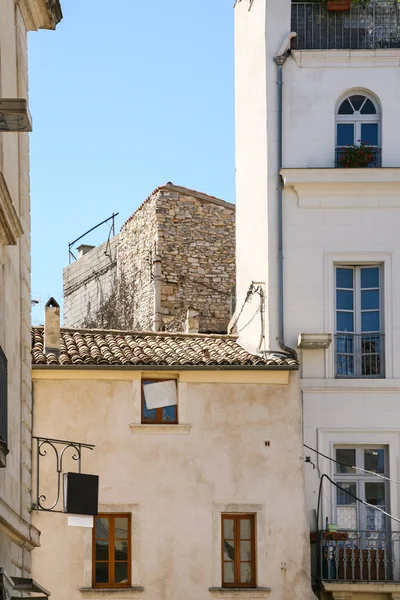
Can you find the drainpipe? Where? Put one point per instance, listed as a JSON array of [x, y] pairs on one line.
[[157, 292], [280, 60]]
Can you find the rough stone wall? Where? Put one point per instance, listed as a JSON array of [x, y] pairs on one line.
[[196, 242], [194, 235], [88, 281], [136, 249]]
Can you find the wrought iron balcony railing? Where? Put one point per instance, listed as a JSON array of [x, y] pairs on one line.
[[375, 26], [360, 355], [376, 160], [358, 556]]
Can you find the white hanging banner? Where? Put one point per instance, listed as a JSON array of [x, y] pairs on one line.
[[80, 521], [160, 394]]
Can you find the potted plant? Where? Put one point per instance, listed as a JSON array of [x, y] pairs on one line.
[[357, 156]]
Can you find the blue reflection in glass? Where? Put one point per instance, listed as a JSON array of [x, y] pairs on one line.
[[369, 134], [345, 134], [149, 414], [370, 277], [369, 299], [344, 300], [370, 321], [169, 413], [344, 321], [344, 278]]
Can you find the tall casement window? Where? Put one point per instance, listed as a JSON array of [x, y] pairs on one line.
[[359, 339], [159, 402], [112, 550], [369, 487], [358, 122], [238, 550]]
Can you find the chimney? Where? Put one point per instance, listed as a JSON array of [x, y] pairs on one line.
[[52, 327], [192, 321], [84, 249]]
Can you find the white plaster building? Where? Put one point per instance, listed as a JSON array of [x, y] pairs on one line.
[[339, 271], [17, 535]]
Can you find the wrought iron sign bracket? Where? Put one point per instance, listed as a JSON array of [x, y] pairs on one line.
[[60, 448]]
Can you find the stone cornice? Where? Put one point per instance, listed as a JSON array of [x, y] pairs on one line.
[[344, 188], [347, 58], [40, 14], [10, 225]]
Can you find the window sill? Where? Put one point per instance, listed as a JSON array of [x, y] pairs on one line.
[[261, 592], [114, 591], [176, 429]]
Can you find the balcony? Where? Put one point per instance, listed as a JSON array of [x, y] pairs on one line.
[[360, 355], [357, 556], [374, 27]]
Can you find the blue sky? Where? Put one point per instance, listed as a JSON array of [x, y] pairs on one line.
[[124, 99]]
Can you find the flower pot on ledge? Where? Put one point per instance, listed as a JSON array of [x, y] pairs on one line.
[[339, 5]]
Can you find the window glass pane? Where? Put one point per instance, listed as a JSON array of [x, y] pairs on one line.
[[357, 101], [229, 550], [342, 496], [369, 134], [245, 550], [121, 528], [345, 108], [169, 414], [374, 520], [346, 517], [344, 299], [344, 321], [370, 321], [369, 299], [229, 573], [101, 550], [368, 108], [346, 456], [370, 277], [228, 529], [101, 527], [345, 134], [344, 278], [245, 573], [345, 344], [101, 572], [375, 493], [149, 415], [245, 529], [121, 572], [374, 460], [121, 550]]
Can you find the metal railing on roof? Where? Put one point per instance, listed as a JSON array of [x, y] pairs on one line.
[[376, 26]]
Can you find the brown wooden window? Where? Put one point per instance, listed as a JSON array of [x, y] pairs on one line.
[[238, 550], [112, 550], [166, 415]]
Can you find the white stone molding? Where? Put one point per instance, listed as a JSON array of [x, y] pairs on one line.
[[339, 59], [344, 188], [10, 225], [314, 341]]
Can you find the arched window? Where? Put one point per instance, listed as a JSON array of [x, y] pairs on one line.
[[358, 121]]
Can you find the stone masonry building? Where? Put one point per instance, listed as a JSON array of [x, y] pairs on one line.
[[175, 253]]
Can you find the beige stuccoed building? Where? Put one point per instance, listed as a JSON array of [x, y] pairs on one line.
[[198, 450], [18, 537]]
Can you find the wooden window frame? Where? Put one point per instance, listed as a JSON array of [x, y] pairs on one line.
[[237, 517], [159, 413], [111, 558]]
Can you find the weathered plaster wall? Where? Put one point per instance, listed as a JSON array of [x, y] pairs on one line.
[[17, 536], [176, 486], [88, 281]]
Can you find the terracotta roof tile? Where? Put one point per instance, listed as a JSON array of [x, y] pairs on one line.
[[82, 347]]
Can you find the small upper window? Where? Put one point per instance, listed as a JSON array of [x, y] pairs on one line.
[[159, 402], [358, 123]]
